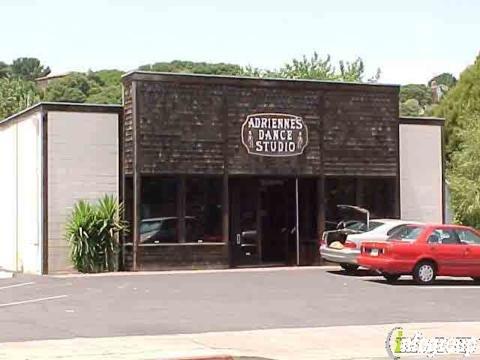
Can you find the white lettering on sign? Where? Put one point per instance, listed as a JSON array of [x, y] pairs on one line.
[[273, 134]]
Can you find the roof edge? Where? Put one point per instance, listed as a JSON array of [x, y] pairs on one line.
[[137, 74], [65, 106], [418, 120]]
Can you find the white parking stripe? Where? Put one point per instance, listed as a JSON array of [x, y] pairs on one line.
[[16, 285], [459, 287], [33, 300]]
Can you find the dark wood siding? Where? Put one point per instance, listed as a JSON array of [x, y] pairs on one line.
[[180, 128], [192, 125], [178, 257], [360, 133], [127, 128]]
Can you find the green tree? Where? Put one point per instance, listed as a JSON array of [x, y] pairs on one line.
[[411, 107], [178, 66], [74, 87], [111, 94], [458, 105], [16, 95], [28, 68], [109, 77], [446, 79], [318, 68], [464, 175], [419, 92], [4, 69]]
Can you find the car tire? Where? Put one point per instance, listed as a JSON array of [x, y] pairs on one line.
[[424, 273], [349, 268], [391, 278]]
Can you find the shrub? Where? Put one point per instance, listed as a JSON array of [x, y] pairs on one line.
[[92, 232]]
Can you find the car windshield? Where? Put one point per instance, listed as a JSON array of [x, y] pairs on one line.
[[149, 226], [361, 226], [407, 233]]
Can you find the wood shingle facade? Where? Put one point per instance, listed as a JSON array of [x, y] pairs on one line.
[[181, 128]]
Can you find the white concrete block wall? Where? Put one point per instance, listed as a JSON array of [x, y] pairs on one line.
[[29, 182], [20, 189], [82, 164], [421, 172], [8, 196]]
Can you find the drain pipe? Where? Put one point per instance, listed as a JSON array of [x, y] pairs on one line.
[[297, 230]]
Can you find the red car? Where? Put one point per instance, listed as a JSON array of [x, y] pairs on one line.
[[425, 251]]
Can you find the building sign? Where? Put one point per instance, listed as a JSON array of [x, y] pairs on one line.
[[273, 134]]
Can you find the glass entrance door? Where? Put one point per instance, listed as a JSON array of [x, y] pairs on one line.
[[244, 230], [262, 221]]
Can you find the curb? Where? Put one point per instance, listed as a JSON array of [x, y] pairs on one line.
[[213, 357]]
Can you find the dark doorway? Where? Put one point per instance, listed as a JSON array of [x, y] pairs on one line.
[[262, 220], [277, 219]]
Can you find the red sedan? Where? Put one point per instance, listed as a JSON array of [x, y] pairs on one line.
[[425, 251]]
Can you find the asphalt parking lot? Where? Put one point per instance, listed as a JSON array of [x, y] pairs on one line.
[[34, 308]]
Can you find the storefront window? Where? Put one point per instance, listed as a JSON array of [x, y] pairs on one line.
[[203, 222], [159, 210]]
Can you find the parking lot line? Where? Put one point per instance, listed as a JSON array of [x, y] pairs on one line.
[[459, 287], [33, 300], [16, 285]]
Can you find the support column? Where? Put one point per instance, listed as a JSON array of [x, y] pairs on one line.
[[297, 222], [137, 192], [181, 210], [320, 209], [225, 218]]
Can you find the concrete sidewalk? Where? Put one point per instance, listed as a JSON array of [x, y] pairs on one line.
[[335, 343]]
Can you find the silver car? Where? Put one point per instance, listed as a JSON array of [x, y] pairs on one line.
[[344, 251]]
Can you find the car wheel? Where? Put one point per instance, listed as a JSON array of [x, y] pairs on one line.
[[424, 273], [349, 268], [391, 278]]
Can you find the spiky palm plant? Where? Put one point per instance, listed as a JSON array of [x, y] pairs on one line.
[[92, 232]]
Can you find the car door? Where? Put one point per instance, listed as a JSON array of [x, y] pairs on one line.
[[471, 240], [446, 249]]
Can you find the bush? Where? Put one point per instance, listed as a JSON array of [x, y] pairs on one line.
[[92, 232]]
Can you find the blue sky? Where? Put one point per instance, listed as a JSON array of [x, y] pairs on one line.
[[410, 40]]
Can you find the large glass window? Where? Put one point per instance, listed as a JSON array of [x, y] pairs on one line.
[[203, 202], [159, 210]]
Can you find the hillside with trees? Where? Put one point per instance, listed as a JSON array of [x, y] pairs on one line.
[[18, 88], [461, 110], [421, 99]]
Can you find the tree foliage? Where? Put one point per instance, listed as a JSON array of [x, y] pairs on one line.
[[103, 87], [178, 66], [28, 68], [464, 175], [4, 69], [411, 107], [419, 92], [16, 95], [314, 67], [461, 109], [458, 105], [446, 79]]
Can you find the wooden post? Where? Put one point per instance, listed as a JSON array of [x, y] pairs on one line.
[[137, 193], [320, 207], [225, 217], [181, 210]]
